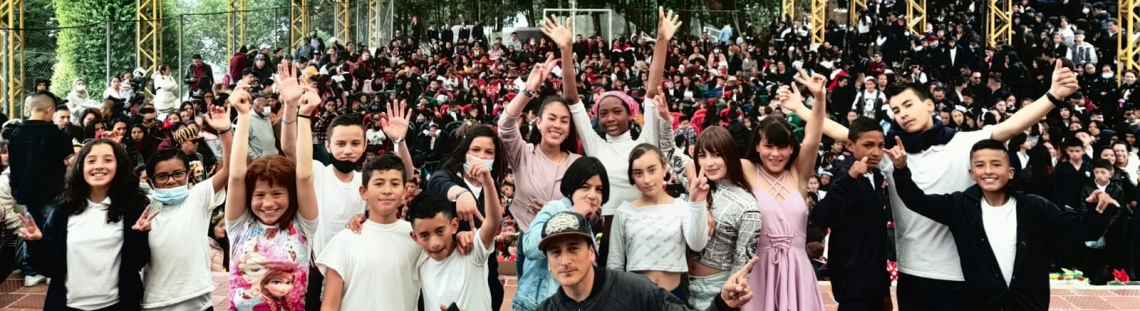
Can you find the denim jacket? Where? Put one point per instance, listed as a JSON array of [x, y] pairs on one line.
[[537, 283]]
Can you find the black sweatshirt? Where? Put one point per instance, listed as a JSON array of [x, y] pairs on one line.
[[36, 152], [855, 212]]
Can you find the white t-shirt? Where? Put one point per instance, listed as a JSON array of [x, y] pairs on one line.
[[93, 259], [1000, 223], [337, 202], [180, 270], [926, 248], [379, 266], [458, 278]]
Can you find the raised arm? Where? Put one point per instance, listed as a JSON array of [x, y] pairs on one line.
[[396, 127], [239, 160], [492, 207], [830, 128], [667, 25], [1064, 84], [306, 192], [936, 207], [508, 123], [218, 118], [563, 36], [813, 131], [290, 96], [696, 225]]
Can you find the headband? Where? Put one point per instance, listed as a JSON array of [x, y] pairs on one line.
[[629, 102]]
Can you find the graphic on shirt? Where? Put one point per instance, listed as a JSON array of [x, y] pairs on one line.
[[271, 269]]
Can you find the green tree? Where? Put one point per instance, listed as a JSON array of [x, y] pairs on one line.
[[82, 45]]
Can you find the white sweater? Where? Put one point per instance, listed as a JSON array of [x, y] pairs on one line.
[[614, 151], [654, 238]]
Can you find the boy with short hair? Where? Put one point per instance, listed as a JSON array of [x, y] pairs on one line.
[[1002, 234], [854, 211], [376, 269], [1076, 171], [1110, 248], [451, 276]]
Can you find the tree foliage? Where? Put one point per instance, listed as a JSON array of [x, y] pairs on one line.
[[82, 41]]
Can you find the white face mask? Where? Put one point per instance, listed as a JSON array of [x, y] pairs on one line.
[[266, 110], [80, 88], [1107, 75], [1085, 11]]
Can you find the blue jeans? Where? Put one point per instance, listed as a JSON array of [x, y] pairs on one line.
[[39, 214]]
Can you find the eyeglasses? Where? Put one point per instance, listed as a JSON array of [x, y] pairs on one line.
[[164, 178], [148, 120]]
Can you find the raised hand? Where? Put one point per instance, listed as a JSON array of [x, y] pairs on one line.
[[735, 292], [1064, 81], [287, 88], [476, 169], [897, 153], [240, 98], [858, 169], [815, 83], [309, 101], [143, 224], [561, 33], [396, 126], [218, 118], [663, 108], [29, 232], [789, 96], [667, 25], [699, 190], [1102, 200]]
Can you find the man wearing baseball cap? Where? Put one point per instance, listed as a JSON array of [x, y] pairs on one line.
[[570, 251]]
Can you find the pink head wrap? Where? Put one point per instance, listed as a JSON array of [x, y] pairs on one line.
[[629, 102]]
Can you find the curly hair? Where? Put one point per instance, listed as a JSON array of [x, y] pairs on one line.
[[124, 191]]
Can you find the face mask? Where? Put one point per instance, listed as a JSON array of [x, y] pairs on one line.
[[1107, 75], [145, 186], [80, 88], [266, 110], [1085, 11], [172, 196], [489, 163], [344, 166]]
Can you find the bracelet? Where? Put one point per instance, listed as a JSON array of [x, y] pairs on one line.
[[304, 117], [231, 128], [457, 195], [287, 121], [1056, 102]]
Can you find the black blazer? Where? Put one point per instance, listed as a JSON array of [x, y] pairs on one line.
[[1039, 223], [49, 257], [855, 212]]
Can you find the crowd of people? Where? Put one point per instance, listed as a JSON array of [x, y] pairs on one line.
[[683, 172]]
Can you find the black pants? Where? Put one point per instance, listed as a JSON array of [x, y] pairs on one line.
[[862, 305], [918, 293], [313, 296], [493, 282]]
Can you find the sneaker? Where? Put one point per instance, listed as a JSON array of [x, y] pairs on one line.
[[30, 281]]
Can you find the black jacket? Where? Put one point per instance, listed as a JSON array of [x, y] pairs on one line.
[[855, 212], [36, 152], [49, 257], [1039, 222], [623, 291]]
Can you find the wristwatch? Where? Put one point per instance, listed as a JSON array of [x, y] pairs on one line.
[[528, 93]]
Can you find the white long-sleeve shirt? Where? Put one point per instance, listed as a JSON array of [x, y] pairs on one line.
[[655, 238], [614, 151]]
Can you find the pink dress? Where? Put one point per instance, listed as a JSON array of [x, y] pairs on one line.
[[783, 279]]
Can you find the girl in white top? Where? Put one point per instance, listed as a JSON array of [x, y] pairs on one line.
[[166, 91], [114, 91], [650, 235]]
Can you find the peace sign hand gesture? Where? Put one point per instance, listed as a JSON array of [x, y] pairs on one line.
[[813, 82], [735, 292], [396, 126], [29, 232], [143, 224], [898, 154], [699, 191]]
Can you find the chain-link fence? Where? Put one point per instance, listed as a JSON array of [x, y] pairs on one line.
[[101, 49]]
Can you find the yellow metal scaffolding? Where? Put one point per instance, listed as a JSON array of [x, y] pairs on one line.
[[853, 11], [298, 22], [1127, 46], [788, 12], [235, 26], [998, 22], [342, 21], [916, 16], [12, 21], [149, 31], [818, 21], [373, 23]]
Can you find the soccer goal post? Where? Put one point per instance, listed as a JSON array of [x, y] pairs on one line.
[[584, 21]]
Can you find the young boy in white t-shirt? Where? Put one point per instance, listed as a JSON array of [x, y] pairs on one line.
[[451, 276], [377, 268]]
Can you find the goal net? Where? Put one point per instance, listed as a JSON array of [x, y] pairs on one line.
[[590, 22]]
